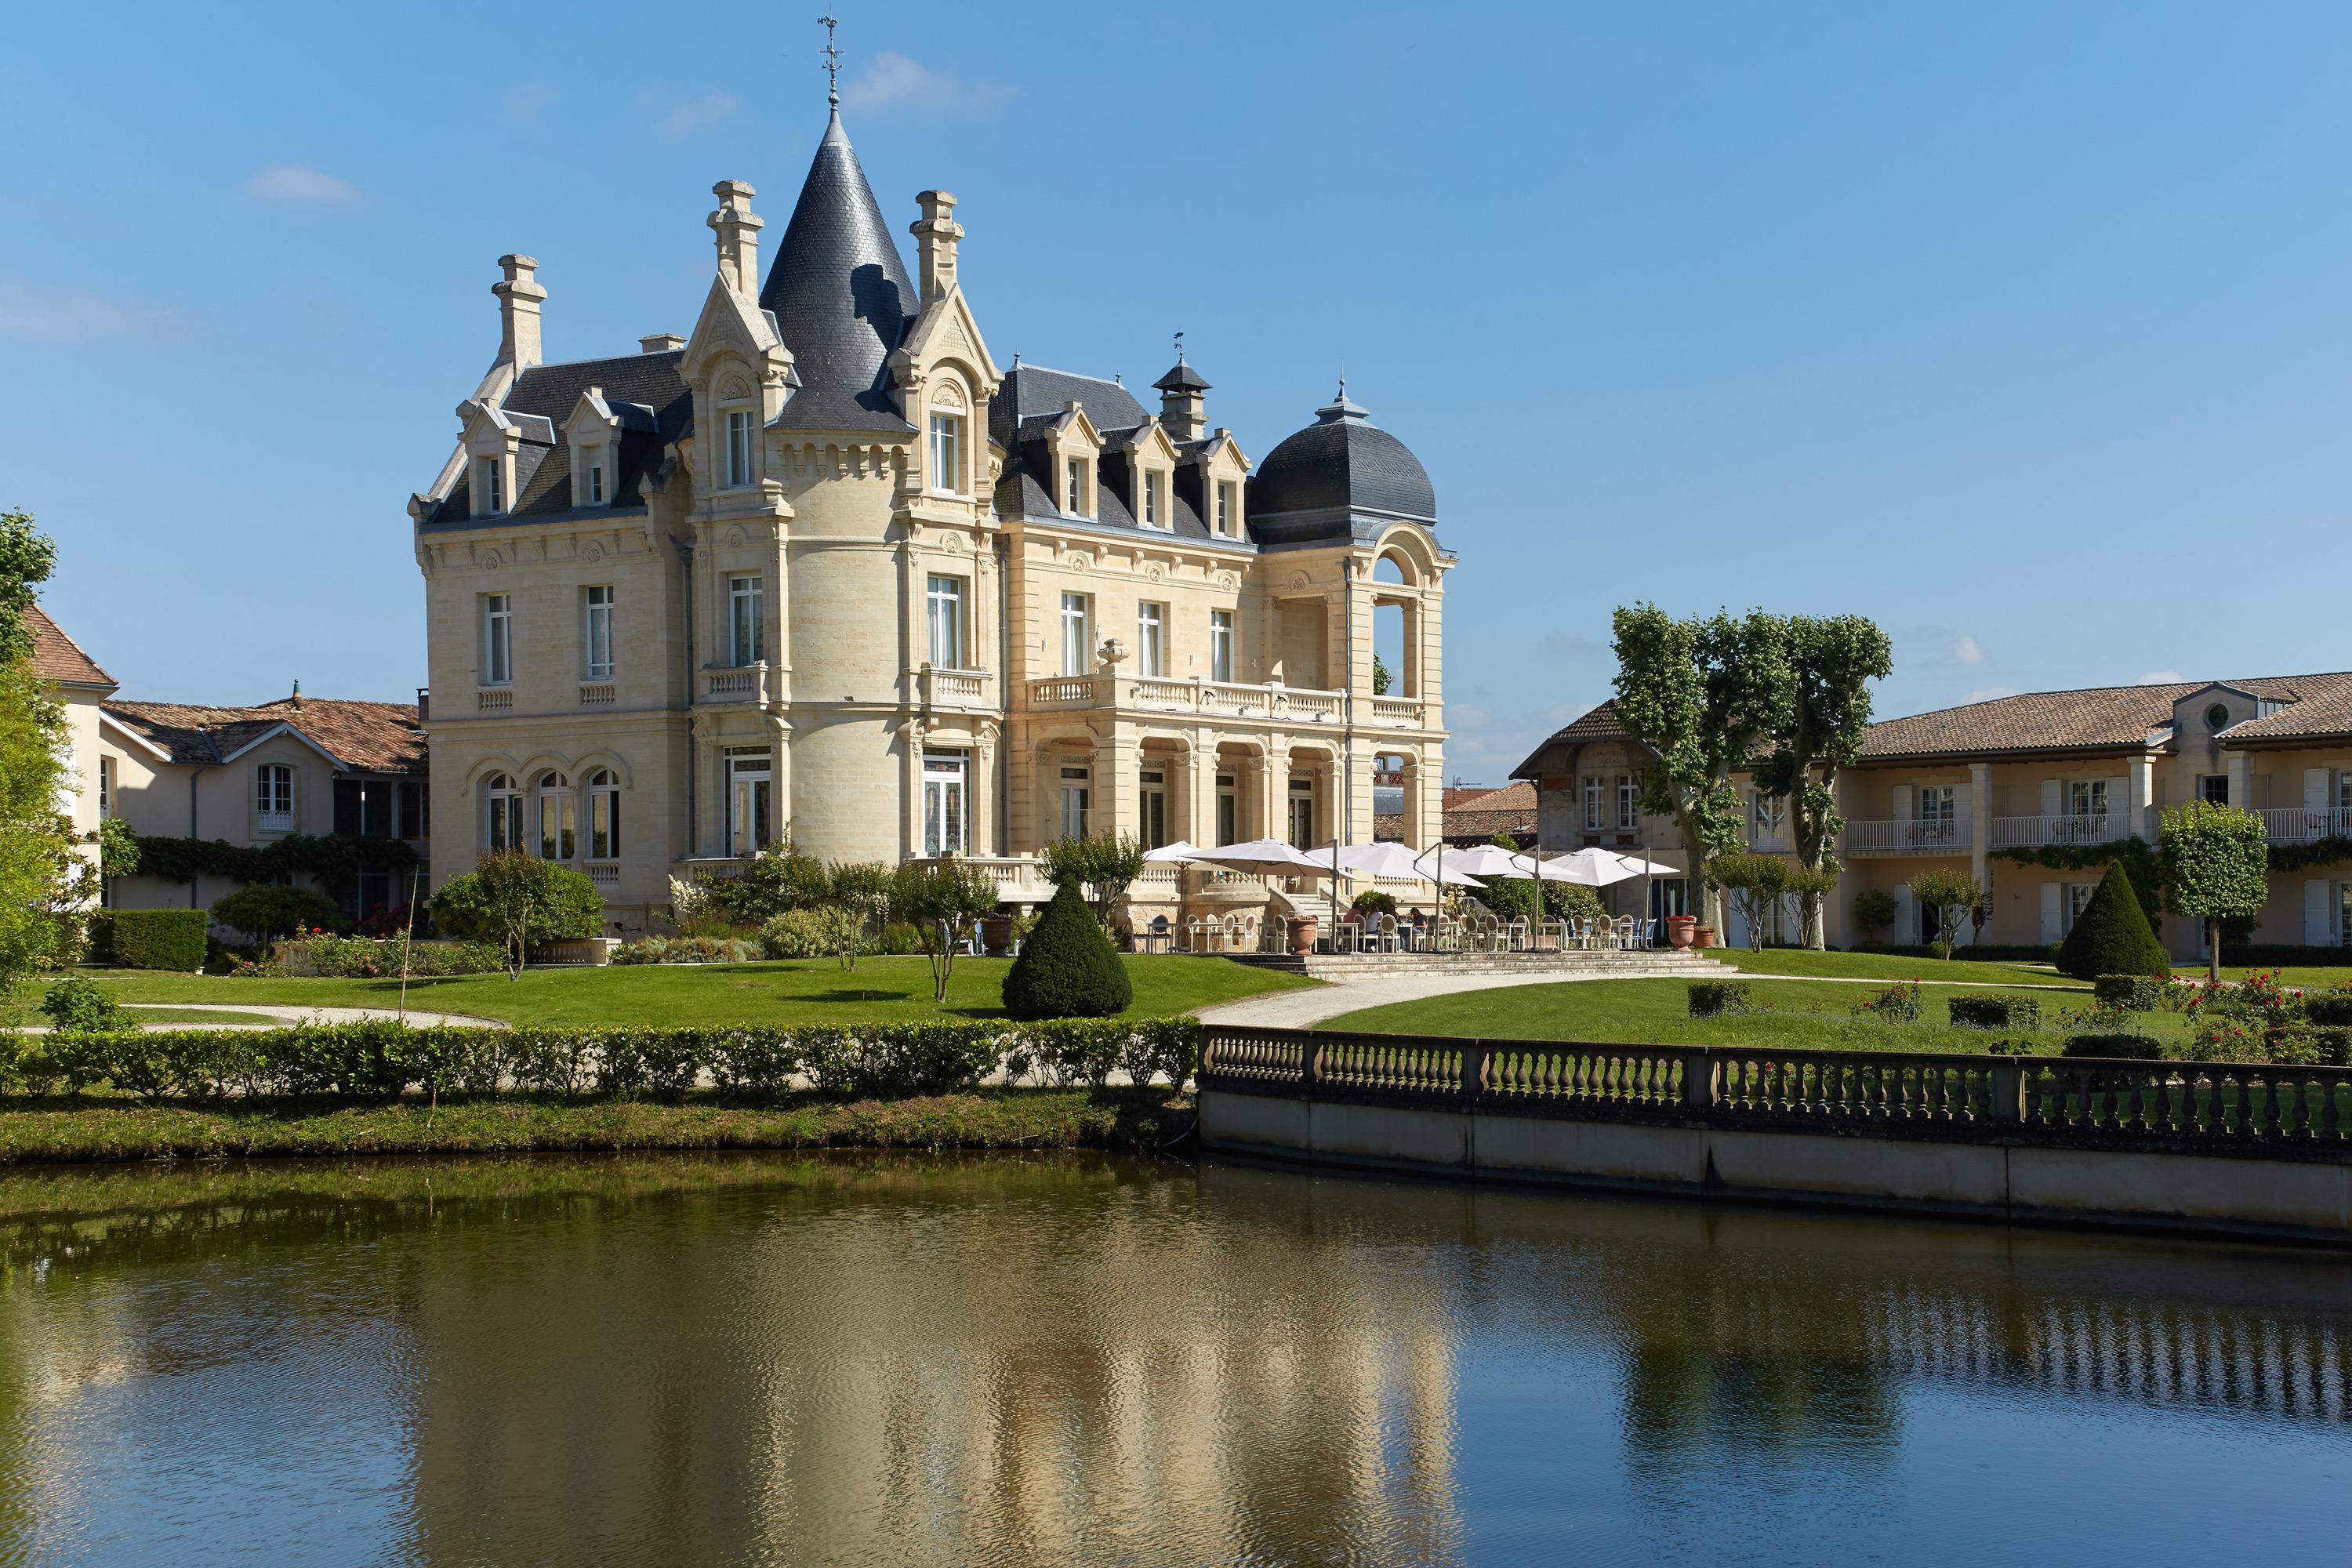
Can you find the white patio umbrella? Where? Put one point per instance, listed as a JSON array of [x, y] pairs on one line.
[[1636, 866], [1479, 860], [1265, 856], [1389, 859], [1565, 869], [1594, 867], [1177, 853]]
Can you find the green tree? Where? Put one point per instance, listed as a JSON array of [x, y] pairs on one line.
[[1874, 910], [2216, 866], [1102, 865], [862, 887], [1381, 678], [27, 557], [118, 848], [765, 885], [2111, 935], [943, 902], [44, 883], [1753, 882], [1701, 694], [1832, 662], [1951, 893], [271, 912], [1067, 968], [512, 899]]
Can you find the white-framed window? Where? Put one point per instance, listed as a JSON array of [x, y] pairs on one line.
[[1596, 803], [1220, 646], [739, 447], [1302, 814], [1629, 800], [947, 454], [105, 788], [1151, 807], [1766, 815], [597, 477], [1152, 509], [274, 797], [603, 816], [1225, 508], [501, 812], [1229, 810], [558, 820], [2078, 899], [1939, 813], [1150, 639], [1074, 487], [944, 802], [746, 620], [2086, 799], [489, 483], [597, 632], [498, 639], [1077, 640], [1076, 797], [943, 607], [750, 774]]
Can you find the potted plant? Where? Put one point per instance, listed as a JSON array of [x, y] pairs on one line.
[[996, 934], [1681, 930], [1301, 930], [1703, 936]]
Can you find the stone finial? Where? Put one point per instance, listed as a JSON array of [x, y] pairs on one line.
[[738, 227], [936, 233], [520, 298]]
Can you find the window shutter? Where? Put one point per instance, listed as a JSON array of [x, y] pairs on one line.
[[1902, 802], [1961, 809], [1907, 916], [2119, 796], [2316, 793], [1734, 923], [2053, 907], [2054, 801], [2318, 924]]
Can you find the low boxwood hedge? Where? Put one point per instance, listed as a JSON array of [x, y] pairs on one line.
[[1713, 998], [1996, 1012], [149, 939], [2125, 1047], [2132, 993]]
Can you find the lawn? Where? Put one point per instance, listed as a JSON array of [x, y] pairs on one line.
[[139, 1015], [2294, 977], [1798, 961], [1814, 1014], [792, 991]]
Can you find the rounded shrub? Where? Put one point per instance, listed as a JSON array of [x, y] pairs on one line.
[[2129, 992], [1067, 968], [78, 1004], [2124, 1048], [1995, 1012], [1714, 999], [2112, 936]]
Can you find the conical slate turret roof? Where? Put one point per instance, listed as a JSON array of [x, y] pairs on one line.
[[841, 297]]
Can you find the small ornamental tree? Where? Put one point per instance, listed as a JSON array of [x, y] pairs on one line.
[[269, 911], [1951, 893], [942, 903], [1102, 864], [1067, 968], [2111, 935], [511, 901], [1753, 882], [862, 887], [2216, 863], [1874, 912]]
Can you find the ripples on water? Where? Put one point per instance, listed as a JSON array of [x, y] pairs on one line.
[[1086, 1360]]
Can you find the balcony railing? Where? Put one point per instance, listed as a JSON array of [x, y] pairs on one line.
[[494, 700], [2055, 832], [1400, 712], [1934, 837], [604, 873], [744, 683], [596, 694], [954, 688], [1019, 878], [274, 822], [1170, 695], [2299, 825]]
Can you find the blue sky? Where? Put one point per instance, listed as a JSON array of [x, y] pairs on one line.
[[2021, 329]]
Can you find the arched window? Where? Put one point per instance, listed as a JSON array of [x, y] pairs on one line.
[[503, 821], [603, 816], [557, 818]]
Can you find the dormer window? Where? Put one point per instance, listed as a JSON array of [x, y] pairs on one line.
[[2216, 718], [1074, 488], [1152, 507], [947, 454], [739, 447], [1225, 508], [596, 479], [489, 481]]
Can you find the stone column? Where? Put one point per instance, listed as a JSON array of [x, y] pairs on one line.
[[2242, 780], [1272, 767], [910, 774], [1117, 762], [979, 794], [1980, 823]]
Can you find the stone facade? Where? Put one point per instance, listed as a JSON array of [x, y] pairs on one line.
[[825, 567]]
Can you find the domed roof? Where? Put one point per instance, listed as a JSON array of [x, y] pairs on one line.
[[1342, 463]]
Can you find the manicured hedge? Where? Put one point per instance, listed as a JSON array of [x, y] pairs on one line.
[[1067, 968], [382, 1059], [2129, 1048], [1713, 998], [2132, 993], [2111, 935], [149, 939], [2333, 1008], [1996, 1012]]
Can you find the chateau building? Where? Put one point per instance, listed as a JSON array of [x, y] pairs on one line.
[[825, 566], [2028, 794]]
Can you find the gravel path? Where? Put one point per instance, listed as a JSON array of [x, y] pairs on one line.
[[280, 1016]]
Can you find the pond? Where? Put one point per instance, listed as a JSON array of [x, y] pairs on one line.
[[1091, 1361]]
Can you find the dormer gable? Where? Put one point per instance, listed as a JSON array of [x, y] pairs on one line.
[[1074, 453], [1147, 475], [1213, 479], [501, 451], [2202, 716], [593, 432]]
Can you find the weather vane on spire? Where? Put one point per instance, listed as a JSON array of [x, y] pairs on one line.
[[831, 62], [1180, 348]]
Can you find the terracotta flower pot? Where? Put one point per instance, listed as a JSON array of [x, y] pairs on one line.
[[1681, 930], [996, 934], [1703, 936], [1301, 930]]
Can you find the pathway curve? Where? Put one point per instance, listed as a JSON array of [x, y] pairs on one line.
[[280, 1016]]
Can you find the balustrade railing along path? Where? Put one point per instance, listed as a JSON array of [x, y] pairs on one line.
[[2261, 1108]]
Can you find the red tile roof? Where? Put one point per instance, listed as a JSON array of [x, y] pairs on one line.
[[2097, 718], [366, 737], [57, 657]]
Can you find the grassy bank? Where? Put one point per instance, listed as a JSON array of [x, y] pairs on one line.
[[792, 991], [78, 1128], [1818, 1014]]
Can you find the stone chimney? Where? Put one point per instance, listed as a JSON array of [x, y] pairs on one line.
[[659, 343], [518, 301], [738, 227], [936, 233], [1183, 411]]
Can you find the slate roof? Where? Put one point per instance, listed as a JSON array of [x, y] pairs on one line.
[[1030, 399], [1313, 485], [543, 472], [57, 657], [841, 297], [364, 737]]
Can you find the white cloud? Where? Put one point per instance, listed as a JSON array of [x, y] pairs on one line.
[[895, 79], [300, 186], [699, 113], [1966, 651], [2162, 677], [79, 316], [1987, 693]]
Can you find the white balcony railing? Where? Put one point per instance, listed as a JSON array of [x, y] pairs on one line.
[[604, 873], [1170, 695], [1403, 713], [2052, 832], [597, 693], [744, 683], [2299, 825], [1019, 878], [1900, 836], [494, 700], [274, 821], [954, 688]]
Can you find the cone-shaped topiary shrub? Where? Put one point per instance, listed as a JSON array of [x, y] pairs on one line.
[[2112, 936], [1067, 968]]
